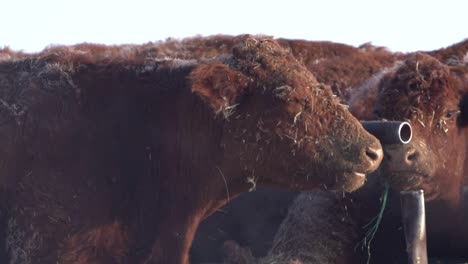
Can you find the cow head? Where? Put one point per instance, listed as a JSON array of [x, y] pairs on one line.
[[283, 128], [433, 98]]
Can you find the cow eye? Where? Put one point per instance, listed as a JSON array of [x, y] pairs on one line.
[[451, 114]]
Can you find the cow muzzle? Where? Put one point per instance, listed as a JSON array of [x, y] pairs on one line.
[[407, 167]]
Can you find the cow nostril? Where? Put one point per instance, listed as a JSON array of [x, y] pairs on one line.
[[374, 154], [412, 155]]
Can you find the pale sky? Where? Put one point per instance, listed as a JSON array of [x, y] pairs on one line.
[[400, 25]]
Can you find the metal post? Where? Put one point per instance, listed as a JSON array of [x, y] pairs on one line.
[[414, 224], [390, 132]]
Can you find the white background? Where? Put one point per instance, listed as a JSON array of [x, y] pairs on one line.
[[400, 25]]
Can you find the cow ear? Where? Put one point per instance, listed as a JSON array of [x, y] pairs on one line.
[[218, 85], [463, 117]]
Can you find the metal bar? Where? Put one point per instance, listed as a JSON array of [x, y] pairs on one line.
[[414, 225], [389, 132]]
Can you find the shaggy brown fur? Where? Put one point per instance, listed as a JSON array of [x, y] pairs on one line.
[[455, 54], [430, 96], [348, 72], [111, 158], [252, 219], [9, 54], [293, 239], [433, 98], [338, 65], [341, 66]]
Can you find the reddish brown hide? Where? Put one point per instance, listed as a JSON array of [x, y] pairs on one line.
[[334, 222], [341, 66], [111, 158], [432, 96]]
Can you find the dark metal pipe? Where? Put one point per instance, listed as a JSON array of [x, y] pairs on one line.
[[389, 132], [414, 224]]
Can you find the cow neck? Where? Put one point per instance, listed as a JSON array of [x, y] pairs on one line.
[[183, 183], [182, 153]]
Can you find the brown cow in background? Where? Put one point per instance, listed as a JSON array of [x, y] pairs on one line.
[[108, 157], [342, 66], [338, 65], [327, 228], [265, 209]]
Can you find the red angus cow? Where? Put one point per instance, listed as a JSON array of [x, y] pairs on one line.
[[117, 160], [433, 97], [252, 219]]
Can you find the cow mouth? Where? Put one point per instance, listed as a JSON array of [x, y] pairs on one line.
[[350, 181], [405, 180], [359, 174], [412, 181]]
